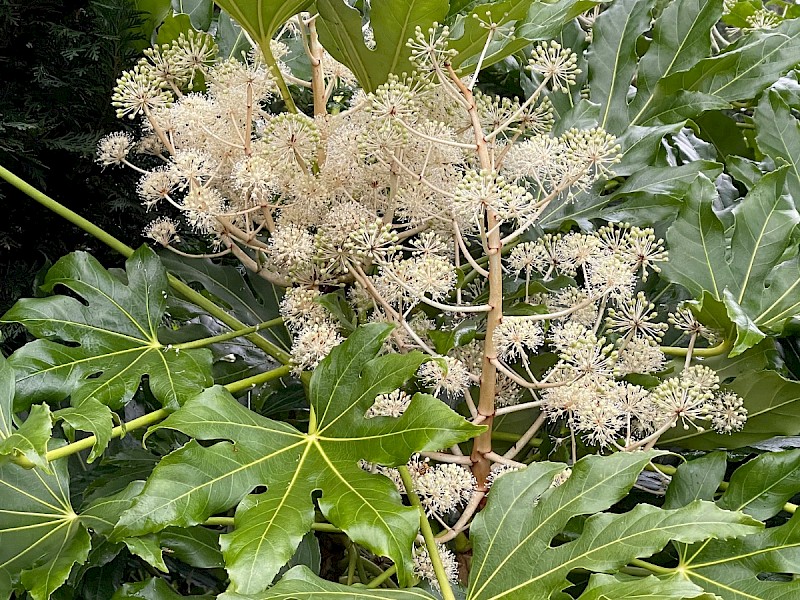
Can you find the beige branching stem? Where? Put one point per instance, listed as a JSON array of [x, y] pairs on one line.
[[494, 246]]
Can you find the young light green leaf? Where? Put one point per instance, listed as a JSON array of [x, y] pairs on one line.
[[744, 268], [607, 587], [98, 349], [196, 482], [41, 537], [507, 540], [29, 439], [778, 136], [763, 485], [89, 416], [300, 583], [697, 479], [393, 23]]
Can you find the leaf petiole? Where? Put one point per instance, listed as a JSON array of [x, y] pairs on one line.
[[427, 533], [223, 337]]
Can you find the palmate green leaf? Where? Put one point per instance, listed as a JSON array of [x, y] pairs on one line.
[[734, 569], [96, 347], [772, 402], [300, 583], [41, 536], [31, 437], [606, 587], [746, 269], [393, 23], [778, 136], [513, 557], [262, 18], [198, 481]]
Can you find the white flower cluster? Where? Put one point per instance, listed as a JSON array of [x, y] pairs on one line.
[[408, 200], [442, 487]]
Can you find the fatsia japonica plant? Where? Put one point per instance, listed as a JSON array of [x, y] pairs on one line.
[[443, 294]]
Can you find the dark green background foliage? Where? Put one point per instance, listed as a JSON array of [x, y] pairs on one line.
[[58, 64]]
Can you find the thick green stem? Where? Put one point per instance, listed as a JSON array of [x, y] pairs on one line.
[[223, 337], [269, 58], [63, 211], [148, 419], [427, 533], [176, 284], [723, 348], [230, 521], [651, 567], [243, 384], [382, 577], [87, 442]]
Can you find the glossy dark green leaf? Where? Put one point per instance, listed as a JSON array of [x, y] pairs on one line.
[[97, 348], [250, 299], [30, 438], [680, 38], [743, 568], [151, 589], [697, 479], [763, 485], [612, 59], [198, 481], [393, 23], [746, 268], [513, 556], [778, 136], [301, 583], [742, 71]]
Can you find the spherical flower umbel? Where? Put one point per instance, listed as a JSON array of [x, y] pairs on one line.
[[515, 338], [727, 413], [558, 64], [138, 91], [453, 378], [393, 404], [423, 567], [113, 149]]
